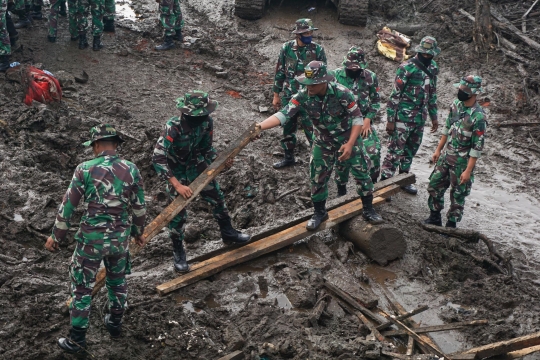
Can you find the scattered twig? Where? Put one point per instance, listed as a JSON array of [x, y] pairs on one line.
[[524, 17], [425, 5], [281, 196]]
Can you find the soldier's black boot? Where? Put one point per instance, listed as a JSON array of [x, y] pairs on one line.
[[108, 25], [368, 212], [450, 224], [113, 323], [63, 9], [97, 44], [179, 256], [230, 235], [434, 218], [168, 44], [25, 20], [75, 343], [13, 34], [288, 160], [36, 14], [410, 189], [388, 199], [83, 41], [178, 36], [319, 215], [4, 62], [341, 190]]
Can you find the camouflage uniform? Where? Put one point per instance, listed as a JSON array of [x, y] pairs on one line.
[[72, 18], [366, 91], [291, 62], [109, 186], [170, 16], [97, 8], [5, 45], [465, 128], [413, 98], [110, 10]]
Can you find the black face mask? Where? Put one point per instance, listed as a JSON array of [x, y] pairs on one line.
[[355, 74], [424, 60], [195, 121], [463, 96]]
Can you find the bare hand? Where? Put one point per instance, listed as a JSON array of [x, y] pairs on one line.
[[346, 151], [390, 128], [465, 177], [51, 245], [366, 128], [139, 240], [435, 156], [259, 135], [434, 126], [276, 102], [229, 163], [183, 190]]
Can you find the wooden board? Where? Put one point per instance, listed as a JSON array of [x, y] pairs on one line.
[[517, 354], [269, 244], [237, 355], [407, 315], [436, 328], [503, 347]]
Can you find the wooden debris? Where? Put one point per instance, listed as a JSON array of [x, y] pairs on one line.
[[237, 355], [503, 347], [350, 308], [318, 309], [507, 25], [410, 346], [281, 196], [437, 328], [404, 316], [524, 17], [483, 30], [517, 124], [518, 354], [358, 304]]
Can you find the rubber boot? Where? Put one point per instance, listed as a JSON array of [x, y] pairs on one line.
[[341, 190], [113, 323], [97, 45], [434, 218], [168, 44], [288, 160], [451, 224], [108, 25], [4, 62], [179, 256], [178, 36], [388, 199], [409, 189], [83, 41], [25, 20], [368, 212], [230, 235], [75, 342], [319, 215], [13, 34], [36, 14], [63, 10]]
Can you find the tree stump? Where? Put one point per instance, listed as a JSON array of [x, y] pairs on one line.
[[382, 243], [483, 30]]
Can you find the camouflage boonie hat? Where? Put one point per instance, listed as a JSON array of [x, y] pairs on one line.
[[428, 45], [355, 59], [196, 103], [102, 131], [314, 73], [303, 25], [471, 84]]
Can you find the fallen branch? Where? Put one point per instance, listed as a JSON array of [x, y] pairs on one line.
[[281, 196], [517, 354], [437, 328], [506, 24], [318, 309], [524, 17], [407, 315]]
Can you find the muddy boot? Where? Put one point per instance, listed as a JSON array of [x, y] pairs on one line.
[[97, 45], [10, 26], [36, 14], [4, 62], [75, 342], [108, 25], [230, 235], [434, 218], [319, 215], [179, 256], [388, 199], [341, 190], [451, 224], [368, 212], [288, 160], [24, 20], [178, 36], [63, 9], [409, 189], [168, 44], [83, 42], [113, 323], [51, 39]]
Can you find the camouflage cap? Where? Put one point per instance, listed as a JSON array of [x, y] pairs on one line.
[[315, 73], [428, 45], [102, 131], [196, 103], [471, 84], [355, 59], [303, 25]]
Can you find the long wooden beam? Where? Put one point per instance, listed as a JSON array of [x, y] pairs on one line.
[[518, 354], [407, 315], [503, 347], [269, 244], [436, 328]]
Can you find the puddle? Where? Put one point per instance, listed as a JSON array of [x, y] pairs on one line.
[[379, 274], [187, 303]]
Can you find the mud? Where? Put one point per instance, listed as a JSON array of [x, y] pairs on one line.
[[261, 307]]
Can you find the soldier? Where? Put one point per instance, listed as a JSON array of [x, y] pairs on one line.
[[463, 135], [109, 186], [183, 151], [293, 57], [413, 98], [97, 9], [337, 123], [108, 18], [170, 16], [57, 7], [364, 84], [23, 9], [5, 44]]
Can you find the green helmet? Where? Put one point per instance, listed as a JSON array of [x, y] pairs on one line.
[[314, 73], [102, 131], [196, 103], [471, 84], [303, 25], [428, 45], [355, 59]]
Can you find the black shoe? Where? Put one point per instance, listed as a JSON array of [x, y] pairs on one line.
[[368, 212], [450, 224], [97, 45], [113, 323], [108, 25], [341, 190], [230, 235], [168, 44], [13, 40], [23, 22], [388, 199], [178, 36], [434, 218], [179, 256], [288, 160], [319, 215], [410, 189], [4, 62], [83, 42], [75, 343], [36, 14], [62, 11], [51, 38]]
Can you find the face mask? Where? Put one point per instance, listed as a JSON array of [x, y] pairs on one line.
[[306, 39], [352, 73], [463, 96], [424, 60], [195, 121]]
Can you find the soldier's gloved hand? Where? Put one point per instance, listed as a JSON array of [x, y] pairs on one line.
[[434, 126], [390, 128], [51, 245], [276, 102]]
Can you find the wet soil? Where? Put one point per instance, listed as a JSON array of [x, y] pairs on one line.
[[261, 307]]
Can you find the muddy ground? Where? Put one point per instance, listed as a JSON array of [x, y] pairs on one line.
[[261, 307]]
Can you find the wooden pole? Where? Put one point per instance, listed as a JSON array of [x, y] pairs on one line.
[[437, 328], [407, 315]]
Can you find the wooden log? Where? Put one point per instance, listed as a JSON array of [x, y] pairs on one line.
[[503, 347], [501, 39], [272, 243], [407, 315], [237, 355], [518, 354], [516, 124], [437, 328], [358, 304], [381, 243]]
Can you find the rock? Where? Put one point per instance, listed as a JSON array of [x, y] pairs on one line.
[[263, 109], [222, 74], [373, 354]]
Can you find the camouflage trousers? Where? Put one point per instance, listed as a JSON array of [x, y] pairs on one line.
[[110, 10], [83, 269], [373, 150], [402, 147], [20, 4], [443, 177], [290, 127], [170, 16], [72, 17], [5, 45], [321, 165], [97, 8]]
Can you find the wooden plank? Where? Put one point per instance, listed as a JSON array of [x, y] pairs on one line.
[[363, 319], [274, 242], [237, 355], [517, 354], [503, 347], [410, 346], [437, 328], [407, 315], [358, 304]]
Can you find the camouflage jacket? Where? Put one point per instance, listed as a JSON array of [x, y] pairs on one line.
[[109, 185], [182, 148], [291, 61], [414, 95], [365, 88], [332, 117], [465, 128]]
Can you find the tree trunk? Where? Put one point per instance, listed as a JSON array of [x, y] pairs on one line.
[[483, 30]]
